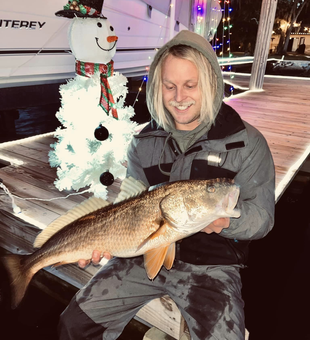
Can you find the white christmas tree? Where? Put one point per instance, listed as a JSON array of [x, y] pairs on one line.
[[92, 145]]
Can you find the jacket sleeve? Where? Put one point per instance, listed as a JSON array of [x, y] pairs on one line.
[[256, 179], [134, 167]]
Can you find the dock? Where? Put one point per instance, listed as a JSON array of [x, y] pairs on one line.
[[280, 112]]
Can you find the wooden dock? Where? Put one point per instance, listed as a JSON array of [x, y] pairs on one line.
[[281, 112]]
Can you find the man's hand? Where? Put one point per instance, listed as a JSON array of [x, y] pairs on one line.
[[217, 226], [96, 258]]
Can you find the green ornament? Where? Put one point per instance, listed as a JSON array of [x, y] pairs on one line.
[[83, 10]]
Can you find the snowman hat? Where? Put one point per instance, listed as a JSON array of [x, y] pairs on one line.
[[82, 8]]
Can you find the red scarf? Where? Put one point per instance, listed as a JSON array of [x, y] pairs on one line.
[[106, 70]]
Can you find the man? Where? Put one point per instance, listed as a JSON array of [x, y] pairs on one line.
[[193, 135]]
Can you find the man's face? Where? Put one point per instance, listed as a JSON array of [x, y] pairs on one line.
[[181, 94]]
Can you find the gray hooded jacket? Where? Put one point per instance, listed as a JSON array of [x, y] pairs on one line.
[[231, 148]]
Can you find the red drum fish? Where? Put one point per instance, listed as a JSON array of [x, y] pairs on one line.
[[147, 224]]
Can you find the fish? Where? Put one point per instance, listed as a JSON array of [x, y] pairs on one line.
[[140, 222]]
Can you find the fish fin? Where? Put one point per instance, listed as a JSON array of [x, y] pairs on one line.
[[159, 232], [19, 278], [153, 261], [88, 206], [130, 187], [170, 256]]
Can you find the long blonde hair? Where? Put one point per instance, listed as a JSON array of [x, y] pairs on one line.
[[207, 83]]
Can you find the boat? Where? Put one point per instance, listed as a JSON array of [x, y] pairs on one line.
[[35, 56], [34, 46]]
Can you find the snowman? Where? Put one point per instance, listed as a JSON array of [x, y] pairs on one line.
[[92, 145]]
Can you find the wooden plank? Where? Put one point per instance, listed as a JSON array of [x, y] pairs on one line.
[[164, 314], [281, 115]]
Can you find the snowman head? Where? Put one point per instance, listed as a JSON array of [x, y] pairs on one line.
[[92, 39]]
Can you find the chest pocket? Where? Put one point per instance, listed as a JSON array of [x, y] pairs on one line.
[[210, 165]]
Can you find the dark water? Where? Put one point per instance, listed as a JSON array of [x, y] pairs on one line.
[[36, 120], [28, 122], [277, 280]]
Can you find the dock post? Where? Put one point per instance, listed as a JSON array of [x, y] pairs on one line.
[[266, 21]]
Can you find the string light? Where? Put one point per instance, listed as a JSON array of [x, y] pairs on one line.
[[200, 17]]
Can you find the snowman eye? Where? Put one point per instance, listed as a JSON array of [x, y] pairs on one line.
[[99, 24], [111, 28]]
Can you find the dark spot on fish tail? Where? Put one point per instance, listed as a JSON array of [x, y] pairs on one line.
[[212, 292]]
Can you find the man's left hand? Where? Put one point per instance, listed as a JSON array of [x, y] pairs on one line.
[[217, 226]]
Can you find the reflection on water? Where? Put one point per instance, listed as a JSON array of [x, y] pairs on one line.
[[37, 120], [28, 122]]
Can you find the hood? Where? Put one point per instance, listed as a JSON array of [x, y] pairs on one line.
[[202, 45]]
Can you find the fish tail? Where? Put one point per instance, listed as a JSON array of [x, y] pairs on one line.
[[18, 275]]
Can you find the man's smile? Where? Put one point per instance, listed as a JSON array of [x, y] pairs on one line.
[[181, 106]]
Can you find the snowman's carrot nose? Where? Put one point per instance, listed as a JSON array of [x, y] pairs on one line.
[[112, 38]]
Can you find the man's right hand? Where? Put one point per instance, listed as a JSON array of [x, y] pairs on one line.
[[95, 259]]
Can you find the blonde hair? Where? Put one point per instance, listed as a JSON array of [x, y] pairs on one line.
[[207, 83]]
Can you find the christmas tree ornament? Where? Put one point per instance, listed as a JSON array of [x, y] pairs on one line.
[[106, 178], [101, 133]]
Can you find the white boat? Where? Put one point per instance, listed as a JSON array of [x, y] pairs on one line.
[[34, 47]]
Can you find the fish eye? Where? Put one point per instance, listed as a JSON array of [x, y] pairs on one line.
[[211, 188], [111, 28], [99, 24]]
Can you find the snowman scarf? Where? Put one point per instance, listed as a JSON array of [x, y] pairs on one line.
[[106, 70]]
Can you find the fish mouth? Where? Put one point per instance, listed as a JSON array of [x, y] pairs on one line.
[[109, 49]]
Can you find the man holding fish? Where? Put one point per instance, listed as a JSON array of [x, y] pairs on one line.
[[193, 136]]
